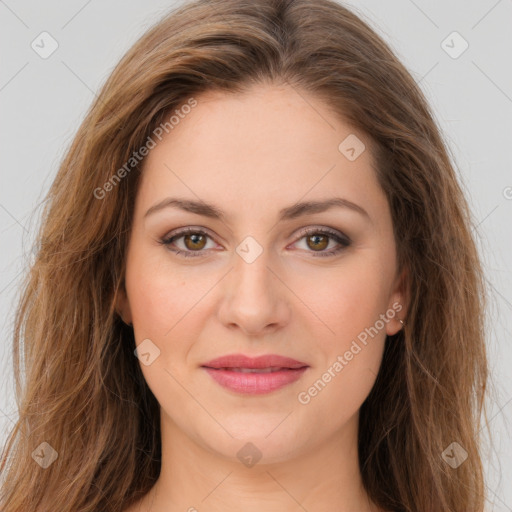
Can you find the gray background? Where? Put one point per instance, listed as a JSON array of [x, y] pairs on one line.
[[43, 101]]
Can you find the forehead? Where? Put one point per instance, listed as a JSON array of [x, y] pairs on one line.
[[269, 146], [280, 121]]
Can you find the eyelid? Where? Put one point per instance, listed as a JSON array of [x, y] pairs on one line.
[[180, 232], [343, 240], [334, 233]]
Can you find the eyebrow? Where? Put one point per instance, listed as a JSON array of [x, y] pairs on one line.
[[288, 213]]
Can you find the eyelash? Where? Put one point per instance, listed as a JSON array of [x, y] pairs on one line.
[[344, 241]]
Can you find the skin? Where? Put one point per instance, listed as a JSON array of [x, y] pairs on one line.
[[251, 155]]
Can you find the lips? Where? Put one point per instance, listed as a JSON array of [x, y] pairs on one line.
[[253, 370], [268, 363], [255, 375]]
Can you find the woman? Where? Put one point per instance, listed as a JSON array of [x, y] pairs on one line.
[[256, 283]]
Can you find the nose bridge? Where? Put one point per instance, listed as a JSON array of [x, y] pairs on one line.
[[252, 299], [251, 276]]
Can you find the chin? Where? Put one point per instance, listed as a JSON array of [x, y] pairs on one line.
[[266, 443]]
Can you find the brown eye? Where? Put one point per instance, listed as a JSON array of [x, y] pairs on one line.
[[318, 242], [188, 242], [194, 241]]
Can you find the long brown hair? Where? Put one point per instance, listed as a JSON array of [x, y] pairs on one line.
[[79, 386]]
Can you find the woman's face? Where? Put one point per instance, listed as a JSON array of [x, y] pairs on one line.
[[259, 275]]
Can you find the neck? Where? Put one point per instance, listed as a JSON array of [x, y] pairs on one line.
[[195, 477]]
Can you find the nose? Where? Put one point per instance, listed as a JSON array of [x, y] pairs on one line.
[[254, 298]]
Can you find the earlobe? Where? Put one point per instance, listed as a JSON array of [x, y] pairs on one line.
[[399, 303], [122, 305]]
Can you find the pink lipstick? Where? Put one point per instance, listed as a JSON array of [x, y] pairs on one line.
[[255, 375]]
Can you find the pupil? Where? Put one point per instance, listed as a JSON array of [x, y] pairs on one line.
[[316, 242], [195, 239]]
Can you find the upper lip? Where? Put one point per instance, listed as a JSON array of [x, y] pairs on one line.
[[264, 361]]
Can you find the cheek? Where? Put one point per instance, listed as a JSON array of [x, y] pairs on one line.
[[158, 296], [152, 307], [350, 304], [352, 299], [159, 303], [167, 308], [341, 382]]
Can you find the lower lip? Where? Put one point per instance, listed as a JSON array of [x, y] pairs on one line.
[[255, 383]]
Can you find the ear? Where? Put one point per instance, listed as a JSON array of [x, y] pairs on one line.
[[399, 303], [122, 304]]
